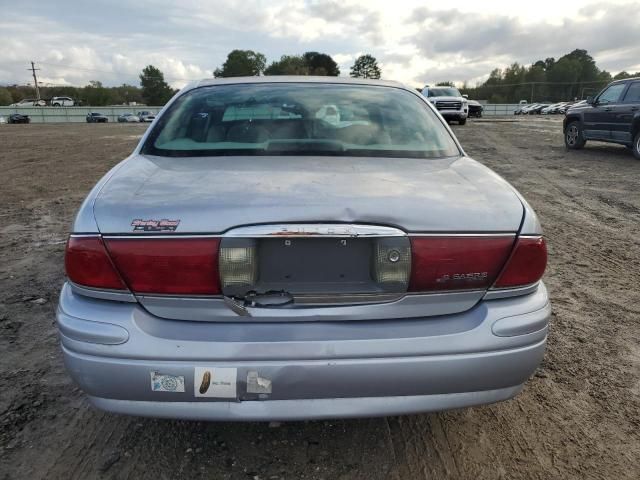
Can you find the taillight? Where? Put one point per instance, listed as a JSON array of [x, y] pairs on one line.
[[88, 264], [457, 262], [181, 266], [526, 265]]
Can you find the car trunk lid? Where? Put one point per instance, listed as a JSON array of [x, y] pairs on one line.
[[215, 194]]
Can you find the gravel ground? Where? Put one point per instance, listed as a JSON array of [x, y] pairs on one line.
[[578, 417]]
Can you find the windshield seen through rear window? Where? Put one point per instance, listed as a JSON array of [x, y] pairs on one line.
[[300, 119], [443, 92]]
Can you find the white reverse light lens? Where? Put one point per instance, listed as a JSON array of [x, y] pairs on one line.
[[238, 266], [391, 264]]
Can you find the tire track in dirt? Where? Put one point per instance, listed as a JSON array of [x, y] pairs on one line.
[[577, 418]]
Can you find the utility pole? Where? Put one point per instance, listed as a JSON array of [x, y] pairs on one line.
[[35, 80], [533, 84]]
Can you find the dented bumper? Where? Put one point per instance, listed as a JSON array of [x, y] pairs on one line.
[[280, 371]]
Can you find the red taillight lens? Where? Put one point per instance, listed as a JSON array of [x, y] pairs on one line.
[[88, 264], [526, 265], [180, 266], [457, 263]]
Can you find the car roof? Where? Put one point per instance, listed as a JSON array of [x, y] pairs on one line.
[[297, 79], [621, 80]]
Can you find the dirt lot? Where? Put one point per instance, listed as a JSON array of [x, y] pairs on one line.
[[578, 417]]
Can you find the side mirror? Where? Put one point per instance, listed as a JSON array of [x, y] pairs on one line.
[[590, 100], [466, 96]]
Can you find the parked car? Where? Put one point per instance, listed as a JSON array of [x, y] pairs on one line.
[[449, 102], [19, 118], [549, 109], [128, 117], [537, 108], [95, 117], [612, 116], [62, 102], [146, 116], [564, 109], [252, 260], [29, 102], [475, 108], [524, 109]]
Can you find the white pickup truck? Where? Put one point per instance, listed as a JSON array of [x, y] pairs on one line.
[[449, 102]]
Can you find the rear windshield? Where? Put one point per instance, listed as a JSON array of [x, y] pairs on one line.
[[300, 119]]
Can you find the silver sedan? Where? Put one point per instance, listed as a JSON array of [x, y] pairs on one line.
[[282, 248], [128, 118]]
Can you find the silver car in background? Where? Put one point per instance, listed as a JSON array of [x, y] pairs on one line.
[[128, 118], [281, 248], [146, 116]]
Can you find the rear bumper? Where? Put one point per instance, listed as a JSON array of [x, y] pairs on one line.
[[364, 368], [307, 409]]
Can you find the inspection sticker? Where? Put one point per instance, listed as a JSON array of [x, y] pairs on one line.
[[215, 382], [162, 382]]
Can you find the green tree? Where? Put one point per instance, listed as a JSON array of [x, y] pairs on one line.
[[321, 64], [288, 65], [310, 63], [239, 63], [95, 94], [125, 94], [155, 91], [623, 74], [5, 97], [365, 66], [445, 84]]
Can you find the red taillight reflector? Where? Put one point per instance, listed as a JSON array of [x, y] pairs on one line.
[[180, 266], [457, 263], [526, 265], [87, 263]]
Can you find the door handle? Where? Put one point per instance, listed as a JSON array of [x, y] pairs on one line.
[[633, 109], [608, 109]]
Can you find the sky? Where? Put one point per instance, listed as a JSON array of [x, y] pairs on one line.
[[415, 42]]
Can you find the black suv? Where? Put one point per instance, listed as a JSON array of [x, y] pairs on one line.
[[612, 116]]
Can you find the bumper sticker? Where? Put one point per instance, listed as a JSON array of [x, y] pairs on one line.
[[215, 382], [161, 382]]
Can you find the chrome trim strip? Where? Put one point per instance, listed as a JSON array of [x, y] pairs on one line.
[[497, 293], [246, 233], [102, 294], [84, 235], [147, 236], [298, 230], [446, 234]]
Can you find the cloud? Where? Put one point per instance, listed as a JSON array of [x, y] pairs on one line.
[[609, 34], [113, 40]]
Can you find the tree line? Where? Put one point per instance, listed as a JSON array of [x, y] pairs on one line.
[[154, 90], [572, 76]]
